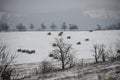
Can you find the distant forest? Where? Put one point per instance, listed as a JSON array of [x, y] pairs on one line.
[[4, 26]]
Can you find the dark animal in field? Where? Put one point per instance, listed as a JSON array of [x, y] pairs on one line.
[[68, 37], [32, 51], [23, 51], [51, 55], [87, 39], [49, 33], [90, 30], [28, 51], [60, 34], [55, 57], [54, 45], [19, 50], [78, 43], [118, 51]]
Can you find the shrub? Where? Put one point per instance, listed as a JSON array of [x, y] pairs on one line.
[[45, 67]]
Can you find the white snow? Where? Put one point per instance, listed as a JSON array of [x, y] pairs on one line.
[[42, 43]]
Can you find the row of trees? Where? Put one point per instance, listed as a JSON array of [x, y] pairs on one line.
[[113, 26], [20, 27], [109, 27]]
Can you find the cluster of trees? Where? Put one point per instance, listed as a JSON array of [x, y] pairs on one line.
[[101, 53], [4, 26], [109, 27], [113, 26]]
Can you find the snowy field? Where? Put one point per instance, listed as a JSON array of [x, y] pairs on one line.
[[42, 43]]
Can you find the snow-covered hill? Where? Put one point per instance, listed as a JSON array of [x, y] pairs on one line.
[[42, 43]]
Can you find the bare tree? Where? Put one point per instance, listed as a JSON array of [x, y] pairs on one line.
[[73, 27], [4, 26], [31, 26], [103, 52], [53, 26], [20, 27], [63, 53], [118, 50], [99, 52], [6, 63], [64, 26], [96, 52], [43, 26], [98, 27]]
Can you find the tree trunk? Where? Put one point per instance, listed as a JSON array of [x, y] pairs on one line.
[[96, 60], [63, 66]]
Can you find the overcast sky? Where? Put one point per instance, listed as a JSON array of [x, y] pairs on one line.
[[84, 13]]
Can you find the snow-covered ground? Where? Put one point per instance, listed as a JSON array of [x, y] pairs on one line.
[[42, 43]]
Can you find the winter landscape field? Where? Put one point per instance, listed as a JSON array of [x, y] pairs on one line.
[[42, 43]]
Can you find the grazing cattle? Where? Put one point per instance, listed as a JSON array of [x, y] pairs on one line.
[[68, 37], [118, 51], [55, 57], [32, 51], [49, 33], [23, 51], [78, 43], [87, 39], [51, 55], [19, 50], [54, 45], [60, 34], [27, 51], [90, 30]]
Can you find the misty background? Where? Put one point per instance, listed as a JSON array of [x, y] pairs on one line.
[[86, 14]]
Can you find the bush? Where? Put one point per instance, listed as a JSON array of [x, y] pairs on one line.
[[111, 78], [45, 67], [7, 67]]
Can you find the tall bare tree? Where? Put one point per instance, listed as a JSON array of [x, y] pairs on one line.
[[63, 53]]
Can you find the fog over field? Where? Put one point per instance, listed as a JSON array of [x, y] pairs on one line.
[[84, 13], [42, 43]]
